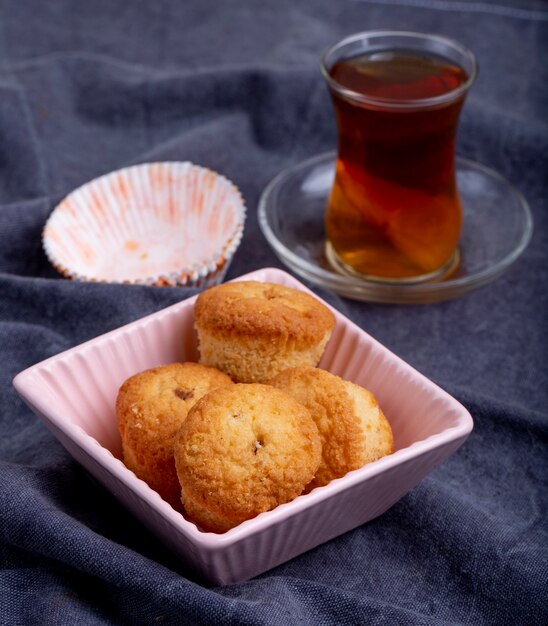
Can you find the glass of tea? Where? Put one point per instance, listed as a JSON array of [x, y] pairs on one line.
[[394, 213]]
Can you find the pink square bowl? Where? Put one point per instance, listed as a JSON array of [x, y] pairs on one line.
[[74, 393]]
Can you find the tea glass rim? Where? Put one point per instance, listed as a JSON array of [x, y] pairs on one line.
[[410, 36]]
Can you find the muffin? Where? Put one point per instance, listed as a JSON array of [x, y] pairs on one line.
[[352, 427], [150, 408], [253, 330], [243, 450]]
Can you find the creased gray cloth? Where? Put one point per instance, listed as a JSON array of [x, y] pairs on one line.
[[88, 87]]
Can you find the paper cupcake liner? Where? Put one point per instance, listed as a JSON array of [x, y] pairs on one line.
[[165, 223]]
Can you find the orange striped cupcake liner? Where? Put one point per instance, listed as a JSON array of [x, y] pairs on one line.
[[169, 223]]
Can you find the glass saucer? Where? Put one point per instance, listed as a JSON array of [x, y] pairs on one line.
[[497, 227]]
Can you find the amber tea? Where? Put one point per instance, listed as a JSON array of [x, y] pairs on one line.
[[394, 209]]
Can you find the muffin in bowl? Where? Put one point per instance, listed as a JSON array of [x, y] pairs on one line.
[[252, 331]]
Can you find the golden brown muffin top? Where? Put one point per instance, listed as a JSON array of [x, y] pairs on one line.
[[352, 427], [152, 404], [150, 408], [243, 450], [266, 310]]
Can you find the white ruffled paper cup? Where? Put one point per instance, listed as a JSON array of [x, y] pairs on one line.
[[171, 223]]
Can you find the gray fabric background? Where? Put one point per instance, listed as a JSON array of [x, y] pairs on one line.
[[87, 87]]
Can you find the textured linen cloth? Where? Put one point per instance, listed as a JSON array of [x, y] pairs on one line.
[[88, 87]]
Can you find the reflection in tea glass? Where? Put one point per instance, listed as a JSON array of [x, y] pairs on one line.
[[394, 212]]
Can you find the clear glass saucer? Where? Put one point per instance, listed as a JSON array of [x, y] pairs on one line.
[[497, 228]]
